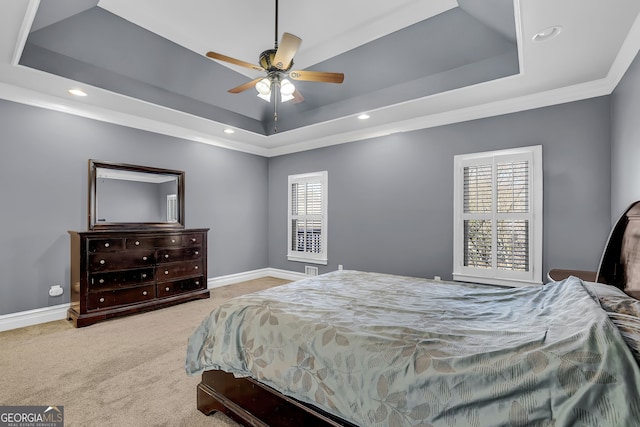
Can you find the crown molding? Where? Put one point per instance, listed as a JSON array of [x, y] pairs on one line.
[[32, 87]]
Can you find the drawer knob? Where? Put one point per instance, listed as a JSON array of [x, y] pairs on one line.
[[137, 243], [166, 256], [144, 293], [194, 240], [196, 267], [173, 240], [102, 262], [197, 282], [102, 299], [144, 258], [101, 281], [167, 289], [106, 245], [197, 253], [144, 275], [166, 272]]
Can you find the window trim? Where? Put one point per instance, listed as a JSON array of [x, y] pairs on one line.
[[313, 258], [533, 154]]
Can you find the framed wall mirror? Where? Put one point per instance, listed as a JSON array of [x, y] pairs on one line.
[[123, 196]]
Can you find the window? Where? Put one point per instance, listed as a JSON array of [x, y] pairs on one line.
[[307, 230], [498, 217], [172, 208]]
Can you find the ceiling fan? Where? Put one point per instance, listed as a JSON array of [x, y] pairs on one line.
[[277, 63]]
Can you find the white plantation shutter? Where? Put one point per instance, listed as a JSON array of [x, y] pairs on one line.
[[478, 181], [477, 243], [498, 217], [512, 245], [172, 208], [307, 228], [512, 186]]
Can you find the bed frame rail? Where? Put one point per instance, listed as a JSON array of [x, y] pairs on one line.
[[251, 403]]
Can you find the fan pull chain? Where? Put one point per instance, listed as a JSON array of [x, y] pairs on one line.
[[275, 116]]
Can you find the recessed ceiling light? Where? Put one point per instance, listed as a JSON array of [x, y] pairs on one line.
[[547, 34], [229, 131], [364, 116], [77, 92]]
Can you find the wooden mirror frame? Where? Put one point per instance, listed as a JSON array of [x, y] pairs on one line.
[[94, 224]]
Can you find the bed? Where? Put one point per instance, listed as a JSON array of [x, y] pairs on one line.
[[353, 348]]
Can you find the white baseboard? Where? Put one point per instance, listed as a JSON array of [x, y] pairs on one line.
[[33, 317], [216, 282], [59, 312]]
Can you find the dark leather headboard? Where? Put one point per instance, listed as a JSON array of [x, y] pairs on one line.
[[620, 263]]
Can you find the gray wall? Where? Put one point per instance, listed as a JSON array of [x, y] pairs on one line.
[[43, 175], [391, 198], [625, 141]]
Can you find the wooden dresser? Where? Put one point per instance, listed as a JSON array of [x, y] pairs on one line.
[[115, 273]]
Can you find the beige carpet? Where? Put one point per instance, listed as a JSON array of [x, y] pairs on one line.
[[122, 372]]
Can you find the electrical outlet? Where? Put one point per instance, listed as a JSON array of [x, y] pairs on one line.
[[340, 267], [55, 290]]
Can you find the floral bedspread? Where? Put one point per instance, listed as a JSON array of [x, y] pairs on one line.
[[383, 350]]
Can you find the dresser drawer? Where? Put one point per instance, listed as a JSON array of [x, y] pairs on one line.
[[179, 254], [121, 260], [123, 278], [154, 242], [105, 245], [175, 270], [100, 300], [193, 239], [172, 288]]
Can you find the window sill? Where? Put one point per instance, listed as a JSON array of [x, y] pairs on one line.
[[495, 281], [307, 260]]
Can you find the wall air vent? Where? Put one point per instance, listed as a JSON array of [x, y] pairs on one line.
[[310, 271]]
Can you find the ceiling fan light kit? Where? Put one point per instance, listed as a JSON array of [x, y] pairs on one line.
[[287, 90], [286, 87], [265, 96], [264, 86], [277, 62]]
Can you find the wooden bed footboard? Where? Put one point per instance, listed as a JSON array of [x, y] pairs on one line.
[[251, 403]]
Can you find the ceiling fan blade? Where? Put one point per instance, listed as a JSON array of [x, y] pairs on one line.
[[245, 86], [297, 97], [231, 60], [317, 76], [286, 51]]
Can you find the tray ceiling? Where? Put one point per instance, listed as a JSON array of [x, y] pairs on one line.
[[408, 64]]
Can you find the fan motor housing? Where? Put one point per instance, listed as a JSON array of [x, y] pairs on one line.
[[266, 61]]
